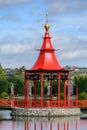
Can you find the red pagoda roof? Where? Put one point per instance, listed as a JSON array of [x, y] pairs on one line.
[[47, 59]]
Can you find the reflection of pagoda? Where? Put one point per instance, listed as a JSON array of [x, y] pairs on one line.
[[47, 68], [44, 124]]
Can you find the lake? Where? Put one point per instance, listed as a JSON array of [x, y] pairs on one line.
[[62, 123]]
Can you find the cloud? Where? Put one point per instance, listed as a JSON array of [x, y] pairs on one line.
[[4, 2], [68, 23], [11, 17], [10, 45], [13, 49], [16, 55], [72, 48], [74, 54], [61, 7], [32, 11], [83, 28], [9, 38]]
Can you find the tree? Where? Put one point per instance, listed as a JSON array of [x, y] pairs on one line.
[[18, 86], [16, 76], [82, 96], [3, 81], [81, 82], [18, 80]]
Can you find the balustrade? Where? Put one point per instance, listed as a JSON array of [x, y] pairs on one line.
[[46, 103]]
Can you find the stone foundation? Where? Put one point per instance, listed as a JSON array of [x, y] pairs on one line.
[[47, 119], [34, 112]]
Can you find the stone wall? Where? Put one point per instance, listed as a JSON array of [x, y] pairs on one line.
[[47, 119], [45, 112]]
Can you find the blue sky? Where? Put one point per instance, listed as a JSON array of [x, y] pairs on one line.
[[22, 30]]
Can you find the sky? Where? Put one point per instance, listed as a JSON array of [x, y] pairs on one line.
[[22, 31]]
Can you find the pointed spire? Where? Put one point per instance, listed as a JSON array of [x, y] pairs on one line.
[[47, 26], [46, 17], [47, 58]]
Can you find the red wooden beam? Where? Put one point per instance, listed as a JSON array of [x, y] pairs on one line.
[[58, 90], [51, 91], [41, 90], [68, 89]]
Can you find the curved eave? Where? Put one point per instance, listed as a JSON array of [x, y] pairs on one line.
[[62, 70], [40, 69], [46, 61]]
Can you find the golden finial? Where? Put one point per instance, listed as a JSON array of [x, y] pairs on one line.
[[47, 26]]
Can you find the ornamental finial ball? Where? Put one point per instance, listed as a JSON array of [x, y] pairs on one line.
[[47, 26]]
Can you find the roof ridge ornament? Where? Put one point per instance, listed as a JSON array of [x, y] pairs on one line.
[[47, 26]]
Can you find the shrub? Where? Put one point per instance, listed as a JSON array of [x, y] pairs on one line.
[[3, 95], [82, 96]]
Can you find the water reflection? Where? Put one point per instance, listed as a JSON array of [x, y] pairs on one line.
[[5, 114], [69, 123]]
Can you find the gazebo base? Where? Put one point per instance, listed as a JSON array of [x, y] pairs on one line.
[[46, 112], [47, 119]]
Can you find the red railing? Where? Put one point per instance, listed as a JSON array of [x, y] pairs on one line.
[[5, 102], [46, 103], [82, 104]]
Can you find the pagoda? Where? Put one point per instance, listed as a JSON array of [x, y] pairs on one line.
[[47, 67], [46, 70]]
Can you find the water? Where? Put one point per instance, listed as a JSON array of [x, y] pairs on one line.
[[68, 123]]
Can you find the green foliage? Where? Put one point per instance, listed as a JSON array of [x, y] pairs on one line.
[[2, 73], [38, 87], [3, 80], [62, 96], [45, 87], [62, 86], [18, 86], [3, 95], [54, 87], [17, 78], [82, 96], [81, 82]]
